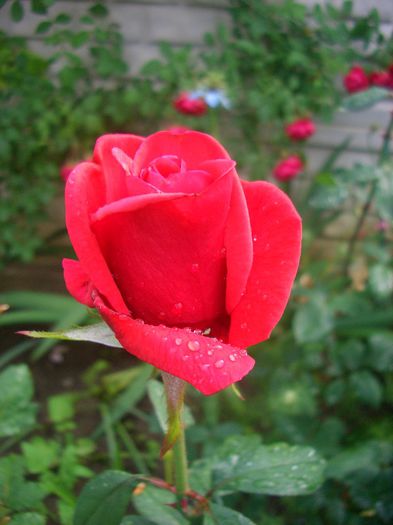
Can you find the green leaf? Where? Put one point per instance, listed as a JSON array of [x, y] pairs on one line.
[[366, 387], [225, 516], [380, 354], [363, 456], [39, 6], [96, 333], [17, 11], [135, 520], [99, 10], [380, 281], [40, 454], [312, 320], [17, 412], [27, 518], [62, 18], [365, 99], [328, 197], [154, 504], [61, 407], [16, 493], [125, 401], [242, 464], [104, 499], [43, 27]]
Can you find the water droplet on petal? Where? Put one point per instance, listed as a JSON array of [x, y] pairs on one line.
[[207, 331], [178, 341], [210, 352], [205, 366], [195, 268], [178, 307], [219, 364], [243, 326], [255, 238], [193, 345], [232, 357]]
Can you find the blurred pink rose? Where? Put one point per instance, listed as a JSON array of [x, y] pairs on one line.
[[288, 168]]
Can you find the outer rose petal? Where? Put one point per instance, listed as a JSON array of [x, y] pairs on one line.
[[78, 282], [193, 147], [206, 363], [85, 193], [276, 230], [115, 177]]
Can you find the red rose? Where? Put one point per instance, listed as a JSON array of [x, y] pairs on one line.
[[300, 129], [188, 105], [186, 263], [379, 78], [356, 80], [288, 168]]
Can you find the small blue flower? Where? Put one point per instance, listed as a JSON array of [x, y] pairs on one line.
[[214, 98]]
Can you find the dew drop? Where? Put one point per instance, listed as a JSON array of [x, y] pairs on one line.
[[219, 364], [207, 331], [210, 352], [185, 357], [255, 238], [193, 345], [232, 357], [243, 326], [205, 366], [178, 307], [178, 341]]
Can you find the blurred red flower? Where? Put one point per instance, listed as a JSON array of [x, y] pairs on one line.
[[288, 168], [356, 80], [300, 129]]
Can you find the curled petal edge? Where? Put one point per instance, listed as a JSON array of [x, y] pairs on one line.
[[206, 363]]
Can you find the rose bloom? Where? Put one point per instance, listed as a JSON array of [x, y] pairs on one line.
[[288, 168], [379, 78], [188, 264], [356, 80], [189, 105], [300, 129]]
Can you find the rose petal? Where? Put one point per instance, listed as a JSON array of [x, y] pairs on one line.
[[78, 282], [115, 176], [192, 147], [276, 230], [168, 261], [238, 243], [85, 192], [208, 364]]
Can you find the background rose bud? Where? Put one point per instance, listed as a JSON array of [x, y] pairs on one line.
[[300, 129], [186, 263], [356, 80], [189, 105], [288, 168]]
